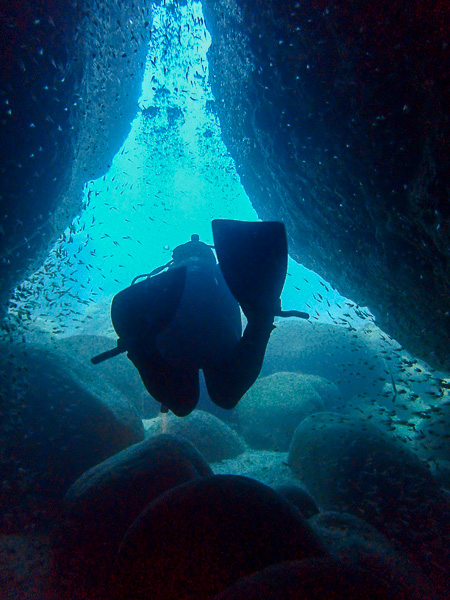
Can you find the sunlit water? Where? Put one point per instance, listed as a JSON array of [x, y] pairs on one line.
[[172, 176]]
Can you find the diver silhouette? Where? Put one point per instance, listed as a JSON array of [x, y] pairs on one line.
[[185, 316]]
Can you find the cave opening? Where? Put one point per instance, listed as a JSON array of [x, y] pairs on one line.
[[171, 177]]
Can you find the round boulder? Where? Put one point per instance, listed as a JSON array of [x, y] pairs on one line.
[[211, 436], [271, 410], [343, 356], [350, 466], [56, 423], [104, 501], [119, 372], [196, 539], [328, 391], [299, 497], [356, 543], [312, 579]]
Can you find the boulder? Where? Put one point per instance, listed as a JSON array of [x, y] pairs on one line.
[[336, 117], [118, 372], [56, 424], [196, 539], [211, 436], [350, 466], [328, 391], [338, 354], [114, 493], [299, 497], [315, 579], [65, 117], [433, 440], [271, 410], [354, 542]]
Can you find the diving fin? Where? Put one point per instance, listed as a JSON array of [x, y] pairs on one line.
[[253, 260], [143, 310]]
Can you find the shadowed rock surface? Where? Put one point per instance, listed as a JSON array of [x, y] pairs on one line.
[[232, 516], [56, 423], [104, 501], [349, 465], [336, 117], [317, 579], [356, 543], [299, 497], [62, 115]]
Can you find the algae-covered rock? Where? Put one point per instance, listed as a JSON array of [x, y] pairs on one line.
[[340, 355], [271, 410], [350, 466], [57, 422], [104, 501], [213, 438]]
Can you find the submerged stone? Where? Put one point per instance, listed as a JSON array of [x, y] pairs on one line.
[[339, 355], [199, 537], [299, 497], [316, 579], [270, 411], [118, 372], [102, 504], [336, 117], [56, 424], [350, 466], [211, 436]]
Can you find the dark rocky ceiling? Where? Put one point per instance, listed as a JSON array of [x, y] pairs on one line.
[[70, 79], [336, 116]]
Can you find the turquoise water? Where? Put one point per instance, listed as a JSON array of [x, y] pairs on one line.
[[171, 177]]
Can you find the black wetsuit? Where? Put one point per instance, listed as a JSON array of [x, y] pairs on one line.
[[205, 333]]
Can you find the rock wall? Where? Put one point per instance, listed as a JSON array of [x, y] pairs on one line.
[[70, 78], [335, 113]]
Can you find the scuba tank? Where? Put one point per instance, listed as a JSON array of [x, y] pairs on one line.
[[145, 308]]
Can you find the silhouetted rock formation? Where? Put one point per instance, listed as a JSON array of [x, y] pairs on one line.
[[335, 116]]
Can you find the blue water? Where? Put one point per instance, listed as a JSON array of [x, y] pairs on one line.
[[171, 177]]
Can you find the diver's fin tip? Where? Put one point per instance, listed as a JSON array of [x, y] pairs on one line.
[[253, 258]]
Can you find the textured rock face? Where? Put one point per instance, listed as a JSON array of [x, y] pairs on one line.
[[57, 421], [231, 516], [115, 491], [273, 407], [211, 436], [337, 354], [335, 115], [70, 79], [349, 465]]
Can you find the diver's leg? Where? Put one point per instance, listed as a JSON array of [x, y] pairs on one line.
[[175, 386], [227, 382]]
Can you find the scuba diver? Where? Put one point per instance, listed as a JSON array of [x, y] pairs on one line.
[[185, 316]]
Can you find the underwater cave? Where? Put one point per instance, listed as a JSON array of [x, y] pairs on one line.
[[129, 126]]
